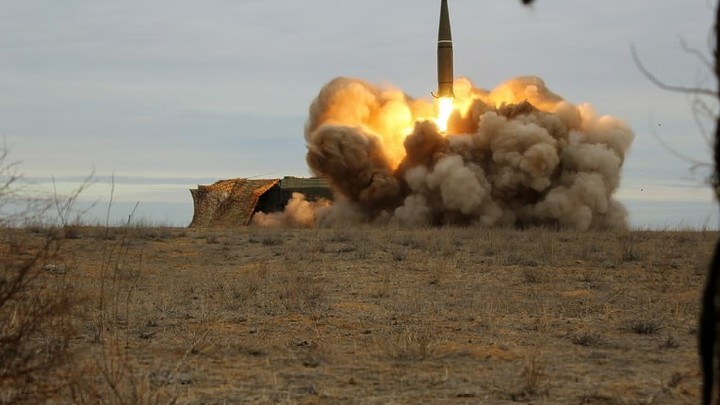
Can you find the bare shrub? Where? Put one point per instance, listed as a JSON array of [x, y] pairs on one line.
[[35, 303], [34, 326], [645, 326], [587, 338]]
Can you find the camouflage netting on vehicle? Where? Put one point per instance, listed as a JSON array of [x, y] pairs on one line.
[[228, 203]]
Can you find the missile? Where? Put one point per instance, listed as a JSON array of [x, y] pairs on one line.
[[444, 55]]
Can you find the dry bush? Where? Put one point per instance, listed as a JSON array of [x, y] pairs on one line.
[[35, 300], [646, 326], [34, 318], [41, 310], [587, 338]]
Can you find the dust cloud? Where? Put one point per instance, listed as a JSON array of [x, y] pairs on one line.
[[298, 213], [518, 155]]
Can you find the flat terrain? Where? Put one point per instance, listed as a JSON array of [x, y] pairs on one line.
[[384, 316]]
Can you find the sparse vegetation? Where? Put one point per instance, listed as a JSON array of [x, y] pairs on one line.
[[263, 316], [533, 381], [646, 326], [587, 338], [35, 328], [670, 343], [408, 343], [35, 299]]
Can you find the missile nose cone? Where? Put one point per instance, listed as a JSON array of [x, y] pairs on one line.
[[444, 33], [445, 54]]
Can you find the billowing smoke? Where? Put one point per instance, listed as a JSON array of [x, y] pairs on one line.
[[298, 213], [517, 155]]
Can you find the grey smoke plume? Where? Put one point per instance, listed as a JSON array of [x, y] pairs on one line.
[[517, 155]]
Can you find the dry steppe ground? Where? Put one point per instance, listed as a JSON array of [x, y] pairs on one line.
[[382, 316]]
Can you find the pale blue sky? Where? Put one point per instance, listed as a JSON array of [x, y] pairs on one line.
[[167, 94]]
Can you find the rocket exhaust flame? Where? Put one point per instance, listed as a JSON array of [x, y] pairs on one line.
[[445, 109]]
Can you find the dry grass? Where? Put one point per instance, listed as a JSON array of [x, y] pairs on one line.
[[381, 315]]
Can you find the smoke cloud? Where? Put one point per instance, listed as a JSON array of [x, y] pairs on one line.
[[298, 213], [517, 155]]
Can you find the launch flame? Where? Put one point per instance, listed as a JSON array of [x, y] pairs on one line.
[[517, 155], [445, 108]]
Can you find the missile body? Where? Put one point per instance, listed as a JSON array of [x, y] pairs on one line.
[[445, 54]]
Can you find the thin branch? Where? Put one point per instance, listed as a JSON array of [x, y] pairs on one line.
[[64, 209], [8, 171], [701, 110], [132, 213], [669, 87], [110, 203], [705, 110], [693, 51]]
